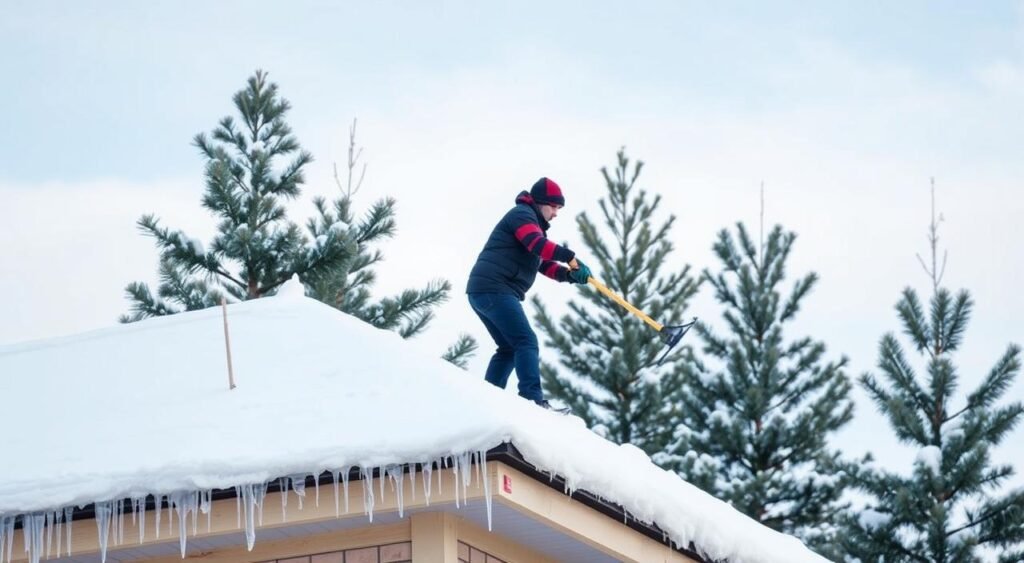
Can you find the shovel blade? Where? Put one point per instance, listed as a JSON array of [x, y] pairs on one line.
[[671, 335]]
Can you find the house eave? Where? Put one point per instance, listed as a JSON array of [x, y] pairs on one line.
[[505, 453]]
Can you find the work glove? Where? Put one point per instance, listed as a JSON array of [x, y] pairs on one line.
[[578, 272]]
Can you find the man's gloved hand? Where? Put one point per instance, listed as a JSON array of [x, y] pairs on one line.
[[578, 272]]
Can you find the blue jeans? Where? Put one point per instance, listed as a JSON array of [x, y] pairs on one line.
[[506, 322]]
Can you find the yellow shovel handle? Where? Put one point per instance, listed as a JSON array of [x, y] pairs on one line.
[[614, 297]]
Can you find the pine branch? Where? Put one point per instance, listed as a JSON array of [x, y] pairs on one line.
[[998, 380], [144, 305], [460, 352]]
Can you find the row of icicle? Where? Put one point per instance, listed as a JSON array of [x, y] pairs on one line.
[[49, 532]]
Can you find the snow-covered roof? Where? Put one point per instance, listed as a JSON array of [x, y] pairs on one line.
[[145, 408]]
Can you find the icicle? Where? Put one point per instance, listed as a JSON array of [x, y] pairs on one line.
[[344, 481], [455, 474], [49, 531], [139, 516], [69, 511], [120, 521], [103, 512], [113, 521], [368, 500], [3, 536], [32, 527], [466, 461], [170, 516], [284, 498], [412, 480], [428, 468], [335, 475], [482, 460], [58, 516], [397, 474], [441, 464], [261, 495], [10, 537], [381, 475], [316, 487], [249, 500], [183, 503], [195, 512], [206, 508], [159, 505], [299, 486], [6, 537]]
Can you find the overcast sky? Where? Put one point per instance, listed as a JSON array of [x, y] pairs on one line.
[[844, 110]]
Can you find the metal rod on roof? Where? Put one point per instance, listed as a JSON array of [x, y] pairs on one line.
[[227, 342]]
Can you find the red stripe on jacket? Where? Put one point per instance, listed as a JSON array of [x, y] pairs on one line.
[[551, 271], [548, 251], [526, 229]]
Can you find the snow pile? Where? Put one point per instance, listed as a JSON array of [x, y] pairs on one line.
[[145, 408], [292, 289]]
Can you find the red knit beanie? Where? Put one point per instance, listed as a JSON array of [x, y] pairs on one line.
[[547, 192]]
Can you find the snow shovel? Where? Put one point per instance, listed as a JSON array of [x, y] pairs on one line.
[[671, 335]]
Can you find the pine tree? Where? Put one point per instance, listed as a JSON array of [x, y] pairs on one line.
[[613, 381], [347, 285], [757, 408], [949, 508], [256, 248]]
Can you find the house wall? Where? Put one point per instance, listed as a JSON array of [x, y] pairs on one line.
[[400, 552], [427, 537]]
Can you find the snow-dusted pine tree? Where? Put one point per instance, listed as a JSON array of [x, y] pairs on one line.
[[609, 355], [256, 248], [949, 507], [757, 408], [347, 285]]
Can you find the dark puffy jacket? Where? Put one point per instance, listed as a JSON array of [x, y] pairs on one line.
[[517, 249]]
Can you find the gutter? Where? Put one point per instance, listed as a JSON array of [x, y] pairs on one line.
[[505, 453], [509, 455]]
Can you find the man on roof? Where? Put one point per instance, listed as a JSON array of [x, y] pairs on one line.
[[517, 249]]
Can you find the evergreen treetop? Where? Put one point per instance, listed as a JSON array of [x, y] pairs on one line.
[[347, 285], [256, 248], [950, 506], [757, 409], [610, 355]]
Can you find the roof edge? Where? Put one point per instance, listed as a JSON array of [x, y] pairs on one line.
[[505, 453]]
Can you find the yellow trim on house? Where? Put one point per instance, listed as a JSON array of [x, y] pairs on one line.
[[561, 512], [306, 545]]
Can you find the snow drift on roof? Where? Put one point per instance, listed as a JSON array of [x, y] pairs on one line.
[[145, 408]]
